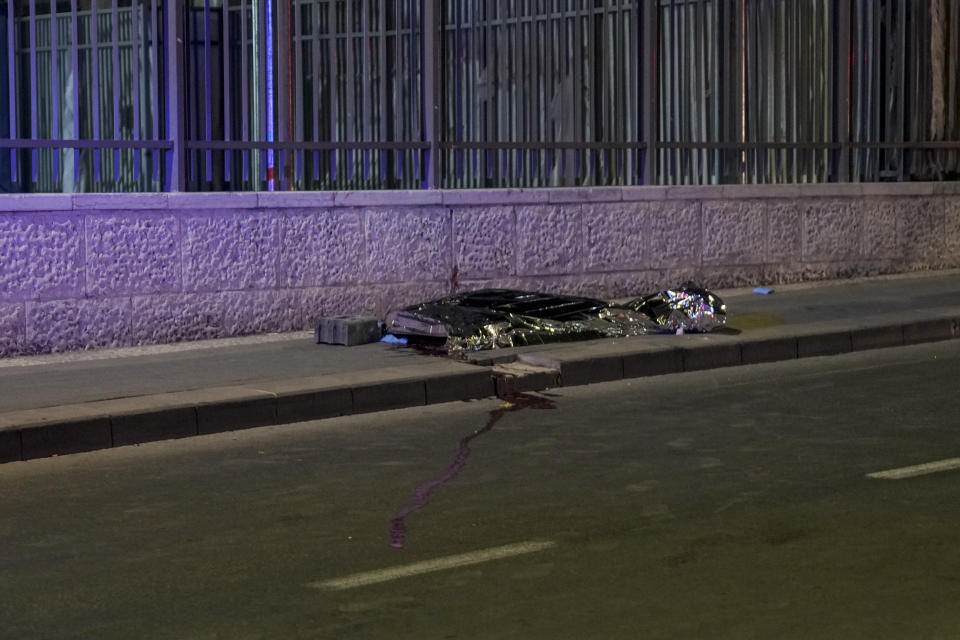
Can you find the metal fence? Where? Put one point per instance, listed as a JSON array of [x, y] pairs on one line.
[[399, 94]]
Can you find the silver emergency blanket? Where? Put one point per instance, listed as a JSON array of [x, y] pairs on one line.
[[498, 318]]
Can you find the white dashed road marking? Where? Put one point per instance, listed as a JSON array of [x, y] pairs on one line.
[[917, 470], [429, 566]]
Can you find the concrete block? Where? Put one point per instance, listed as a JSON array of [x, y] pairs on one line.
[[389, 395], [711, 356], [66, 436], [313, 404], [42, 257], [880, 228], [591, 369], [768, 350], [231, 415], [13, 329], [36, 202], [615, 235], [213, 200], [484, 241], [321, 248], [348, 330], [831, 230], [921, 225], [165, 318], [636, 194], [120, 201], [494, 197], [408, 245], [784, 240], [10, 446], [403, 295], [464, 386], [583, 194], [695, 192], [294, 199], [641, 364], [150, 426], [876, 337], [734, 232], [230, 251], [316, 303], [251, 312], [824, 344], [549, 240], [675, 235], [398, 198], [929, 330], [63, 325], [132, 254], [951, 234]]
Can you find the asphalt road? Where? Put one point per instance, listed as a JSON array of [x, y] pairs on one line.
[[722, 504]]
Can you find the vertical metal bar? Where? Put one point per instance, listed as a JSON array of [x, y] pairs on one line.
[[177, 167], [367, 109], [55, 86], [207, 88], [382, 73], [155, 79], [33, 89], [431, 27], [318, 83], [333, 74], [135, 23], [225, 48], [115, 42], [246, 104], [155, 86], [298, 78], [75, 70], [268, 61], [12, 87], [843, 89]]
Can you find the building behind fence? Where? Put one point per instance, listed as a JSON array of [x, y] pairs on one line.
[[410, 94]]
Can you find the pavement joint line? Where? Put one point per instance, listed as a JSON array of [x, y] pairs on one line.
[[430, 566], [917, 470]]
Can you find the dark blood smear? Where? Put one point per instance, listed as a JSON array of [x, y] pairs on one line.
[[421, 495]]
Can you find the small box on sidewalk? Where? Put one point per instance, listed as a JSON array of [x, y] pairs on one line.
[[348, 330]]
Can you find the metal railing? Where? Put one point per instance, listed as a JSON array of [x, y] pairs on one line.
[[400, 94]]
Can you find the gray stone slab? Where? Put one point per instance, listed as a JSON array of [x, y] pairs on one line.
[[711, 356], [70, 436], [230, 415], [460, 386], [640, 364], [313, 404], [824, 344], [768, 350], [929, 330], [397, 394], [149, 426], [876, 337], [10, 446]]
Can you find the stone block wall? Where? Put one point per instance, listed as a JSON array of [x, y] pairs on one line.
[[107, 270]]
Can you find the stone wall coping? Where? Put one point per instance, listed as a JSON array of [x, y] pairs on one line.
[[470, 197]]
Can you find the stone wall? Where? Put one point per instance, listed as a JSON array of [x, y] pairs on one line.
[[92, 271]]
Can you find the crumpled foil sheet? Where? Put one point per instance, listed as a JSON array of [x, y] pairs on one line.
[[500, 318]]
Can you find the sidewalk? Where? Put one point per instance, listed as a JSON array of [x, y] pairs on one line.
[[75, 402]]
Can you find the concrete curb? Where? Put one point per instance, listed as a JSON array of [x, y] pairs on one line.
[[60, 430]]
